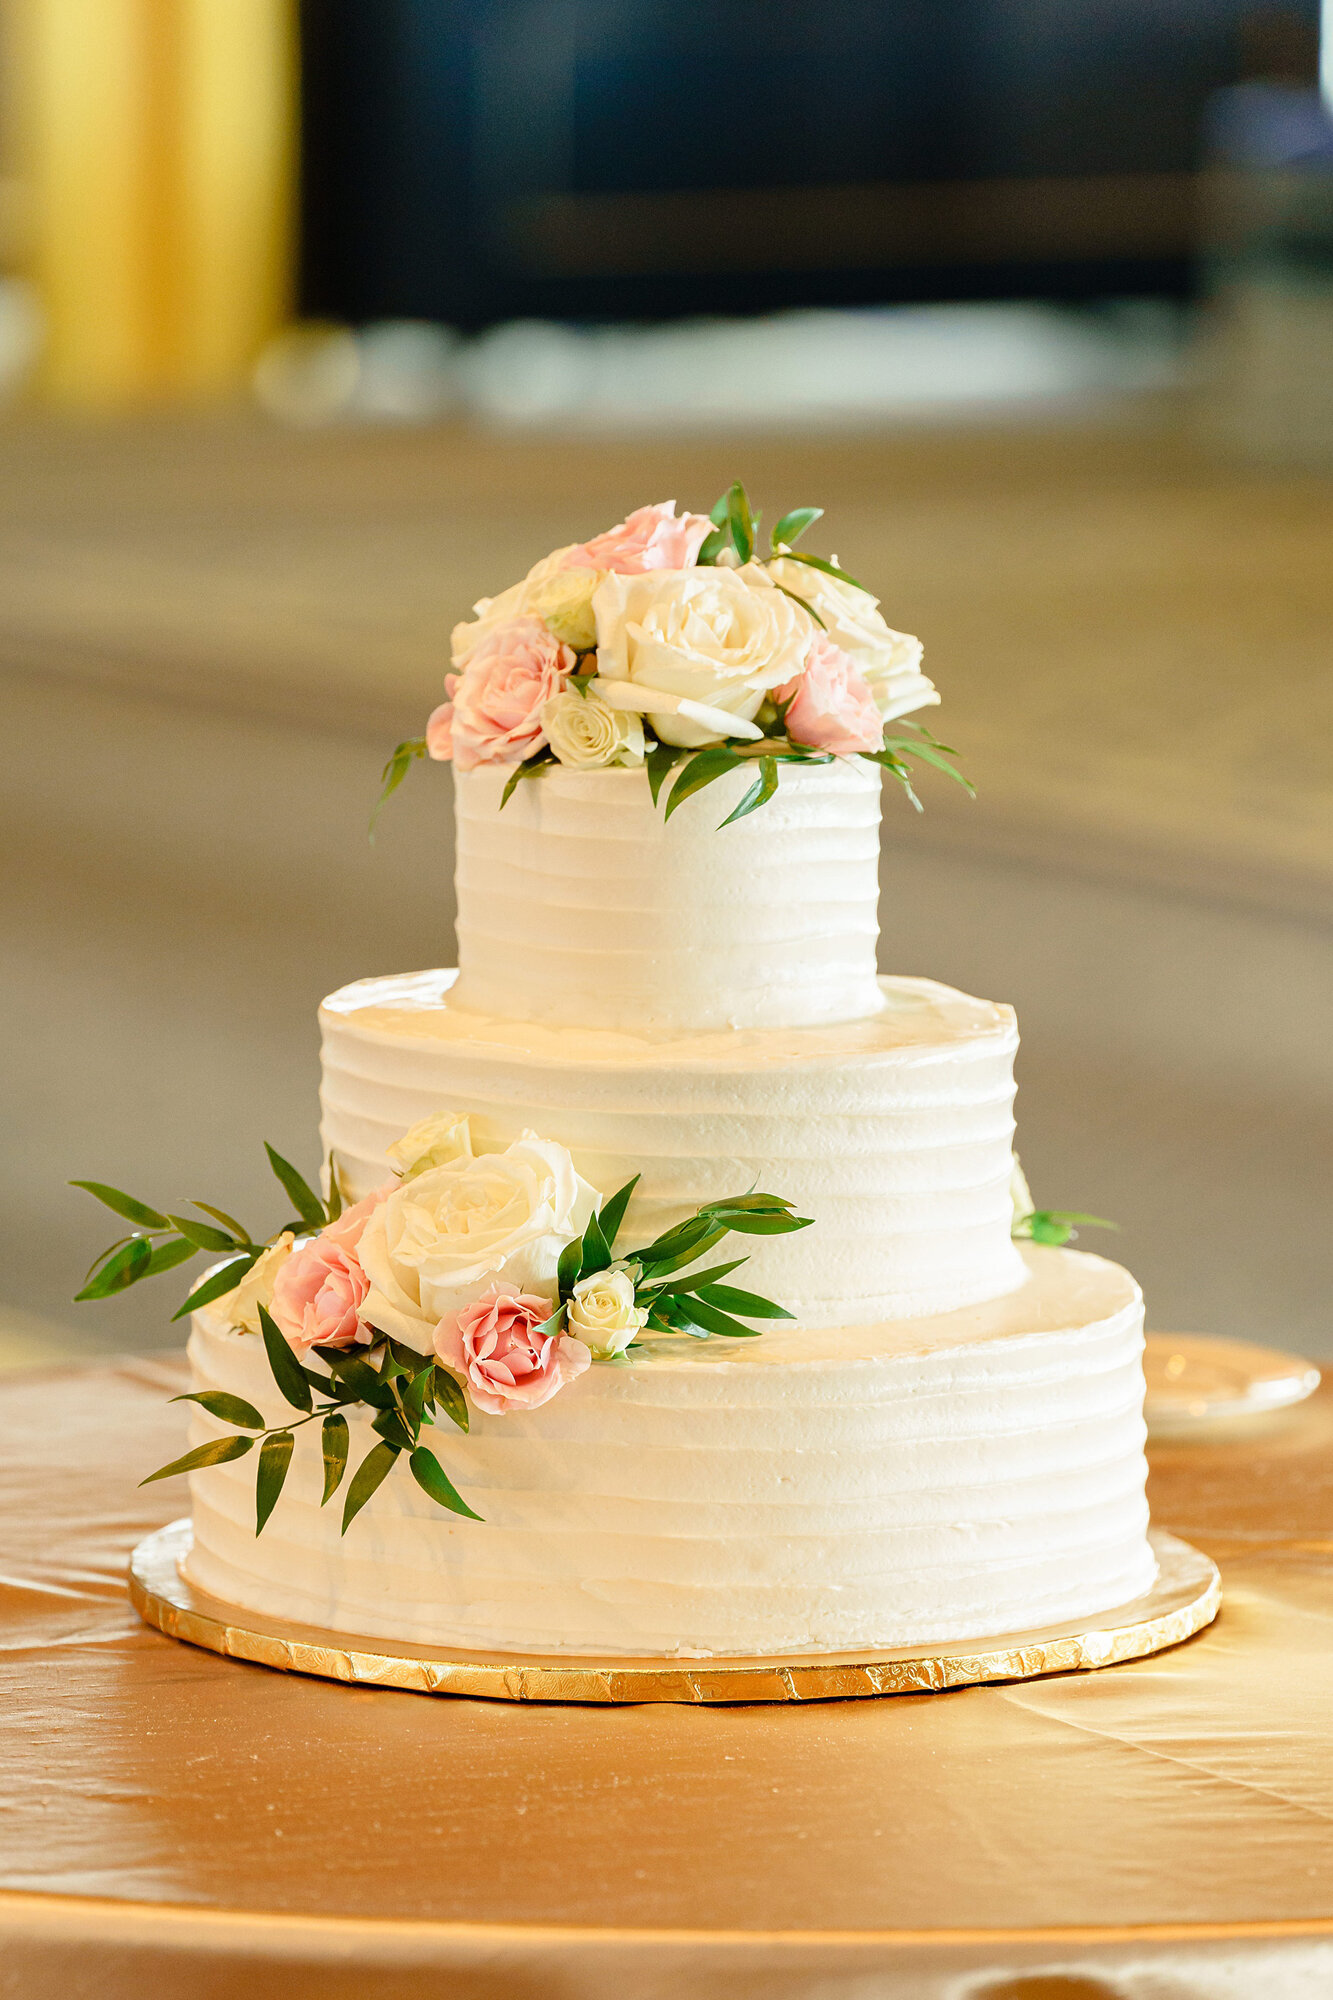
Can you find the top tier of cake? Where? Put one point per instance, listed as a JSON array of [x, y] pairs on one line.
[[580, 905]]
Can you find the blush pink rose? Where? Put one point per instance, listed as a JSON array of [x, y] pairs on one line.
[[494, 712], [493, 1343], [317, 1296], [832, 707], [346, 1230], [652, 538]]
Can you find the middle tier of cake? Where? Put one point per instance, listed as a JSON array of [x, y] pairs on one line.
[[894, 1133]]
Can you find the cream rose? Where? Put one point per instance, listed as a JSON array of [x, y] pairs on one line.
[[563, 602], [889, 660], [431, 1142], [710, 641], [519, 601], [439, 1240], [603, 1315], [240, 1308], [588, 735]]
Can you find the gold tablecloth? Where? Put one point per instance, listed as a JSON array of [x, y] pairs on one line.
[[174, 1824]]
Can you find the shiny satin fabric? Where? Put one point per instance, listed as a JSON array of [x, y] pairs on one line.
[[179, 1824]]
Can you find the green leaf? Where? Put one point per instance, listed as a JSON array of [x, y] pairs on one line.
[[596, 1253], [417, 1394], [432, 1479], [123, 1204], [226, 1408], [390, 1426], [360, 1380], [709, 1316], [612, 1212], [693, 1280], [703, 768], [659, 1264], [658, 762], [397, 768], [929, 753], [287, 1370], [374, 1468], [166, 1256], [766, 1225], [202, 1234], [529, 768], [829, 568], [275, 1455], [238, 1229], [217, 1452], [792, 526], [740, 521], [732, 1299], [717, 513], [740, 1203], [567, 1270], [225, 1279], [449, 1395], [336, 1202], [1057, 1225], [553, 1324], [302, 1197], [760, 792], [123, 1268], [333, 1440], [712, 546]]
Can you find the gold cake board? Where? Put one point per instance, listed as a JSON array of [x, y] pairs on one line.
[[1185, 1598]]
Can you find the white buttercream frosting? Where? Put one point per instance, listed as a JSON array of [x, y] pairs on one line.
[[975, 1474], [893, 1132], [580, 904]]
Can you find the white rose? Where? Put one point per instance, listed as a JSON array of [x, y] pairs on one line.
[[438, 1241], [543, 584], [603, 1315], [432, 1142], [240, 1308], [587, 735], [711, 641], [890, 661], [563, 602]]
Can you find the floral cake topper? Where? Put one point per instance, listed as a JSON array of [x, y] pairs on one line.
[[675, 639]]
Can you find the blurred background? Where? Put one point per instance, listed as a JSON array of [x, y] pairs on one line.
[[316, 323]]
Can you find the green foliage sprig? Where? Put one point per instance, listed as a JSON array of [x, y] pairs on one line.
[[694, 1302], [1055, 1225], [160, 1242], [404, 1388]]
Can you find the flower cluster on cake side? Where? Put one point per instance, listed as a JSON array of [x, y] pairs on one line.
[[467, 1281], [485, 1281], [678, 640]]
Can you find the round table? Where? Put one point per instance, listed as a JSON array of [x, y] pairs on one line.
[[183, 1826]]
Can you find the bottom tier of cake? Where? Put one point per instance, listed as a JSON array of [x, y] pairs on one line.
[[951, 1478]]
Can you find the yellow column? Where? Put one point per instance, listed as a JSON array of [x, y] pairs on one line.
[[156, 141]]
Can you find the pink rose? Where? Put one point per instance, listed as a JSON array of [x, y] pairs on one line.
[[493, 715], [652, 538], [318, 1294], [832, 707], [440, 728], [346, 1230], [493, 1343]]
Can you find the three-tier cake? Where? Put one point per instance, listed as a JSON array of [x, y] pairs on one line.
[[667, 1024]]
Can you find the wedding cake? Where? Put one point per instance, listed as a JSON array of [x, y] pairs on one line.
[[506, 1392]]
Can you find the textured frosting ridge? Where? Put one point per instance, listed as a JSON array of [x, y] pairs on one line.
[[870, 1486], [893, 1132], [579, 904]]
